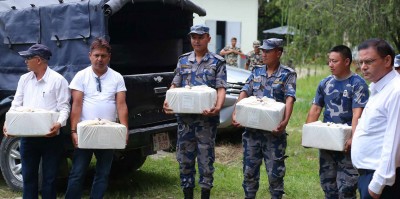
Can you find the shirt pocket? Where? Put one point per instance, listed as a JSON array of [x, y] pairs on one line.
[[185, 73], [208, 75], [278, 90], [49, 98]]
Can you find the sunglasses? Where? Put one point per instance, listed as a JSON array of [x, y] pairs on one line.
[[98, 84]]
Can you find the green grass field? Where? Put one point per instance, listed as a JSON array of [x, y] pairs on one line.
[[159, 176]]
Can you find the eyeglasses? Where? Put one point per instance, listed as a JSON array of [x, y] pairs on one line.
[[98, 84], [367, 62]]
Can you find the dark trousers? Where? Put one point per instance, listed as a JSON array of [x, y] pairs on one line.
[[32, 150], [389, 192], [80, 164]]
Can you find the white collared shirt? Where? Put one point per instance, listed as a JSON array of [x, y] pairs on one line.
[[49, 93], [376, 141], [98, 104]]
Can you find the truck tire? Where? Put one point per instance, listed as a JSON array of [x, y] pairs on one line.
[[10, 163], [128, 161]]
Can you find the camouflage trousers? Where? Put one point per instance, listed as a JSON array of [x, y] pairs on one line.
[[338, 177], [259, 145], [196, 139]]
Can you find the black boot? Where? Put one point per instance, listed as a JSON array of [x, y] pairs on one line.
[[205, 193], [188, 193]]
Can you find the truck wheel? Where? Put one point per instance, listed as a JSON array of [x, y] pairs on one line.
[[128, 161], [10, 163]]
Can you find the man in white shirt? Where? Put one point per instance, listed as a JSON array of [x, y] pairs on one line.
[[97, 92], [41, 88], [376, 143]]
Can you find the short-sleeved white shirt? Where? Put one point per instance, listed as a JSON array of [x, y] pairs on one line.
[[98, 104]]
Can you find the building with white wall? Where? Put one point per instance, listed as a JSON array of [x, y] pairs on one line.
[[227, 19]]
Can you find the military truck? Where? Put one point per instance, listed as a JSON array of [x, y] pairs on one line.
[[146, 37]]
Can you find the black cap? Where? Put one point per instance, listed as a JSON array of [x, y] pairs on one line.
[[37, 50]]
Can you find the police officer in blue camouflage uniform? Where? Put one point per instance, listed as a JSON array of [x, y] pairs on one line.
[[196, 132], [343, 94], [397, 63], [278, 82]]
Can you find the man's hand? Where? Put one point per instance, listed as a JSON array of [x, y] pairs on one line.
[[211, 112], [280, 128], [234, 122], [166, 108], [5, 131], [347, 146], [74, 137], [54, 130], [374, 195]]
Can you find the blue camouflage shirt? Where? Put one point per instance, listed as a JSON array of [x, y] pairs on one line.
[[211, 71], [280, 85], [339, 97]]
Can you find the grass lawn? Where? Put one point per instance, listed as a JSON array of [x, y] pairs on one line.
[[159, 176]]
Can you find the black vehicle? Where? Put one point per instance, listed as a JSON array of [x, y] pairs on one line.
[[146, 39]]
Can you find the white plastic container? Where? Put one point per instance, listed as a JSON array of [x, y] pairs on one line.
[[327, 136], [193, 100], [101, 134], [30, 122], [264, 113]]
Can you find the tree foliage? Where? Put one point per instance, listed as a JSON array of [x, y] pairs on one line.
[[269, 16], [322, 24]]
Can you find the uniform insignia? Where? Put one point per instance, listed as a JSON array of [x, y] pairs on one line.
[[257, 79], [185, 66], [278, 82]]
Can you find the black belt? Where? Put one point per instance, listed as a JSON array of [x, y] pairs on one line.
[[362, 172]]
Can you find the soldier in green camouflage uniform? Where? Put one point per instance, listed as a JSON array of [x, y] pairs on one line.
[[231, 53], [254, 57]]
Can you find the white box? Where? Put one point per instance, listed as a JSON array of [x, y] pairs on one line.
[[264, 113], [194, 99], [30, 122], [101, 134], [327, 136]]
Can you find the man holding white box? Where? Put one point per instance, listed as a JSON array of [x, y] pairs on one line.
[[276, 81], [41, 88], [376, 142], [343, 95], [196, 132], [97, 92]]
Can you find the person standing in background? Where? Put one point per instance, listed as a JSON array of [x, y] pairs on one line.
[[254, 57], [231, 53], [397, 63]]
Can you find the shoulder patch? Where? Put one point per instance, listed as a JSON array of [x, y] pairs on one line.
[[288, 68], [219, 57], [184, 55]]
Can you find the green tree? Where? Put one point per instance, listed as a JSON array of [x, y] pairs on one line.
[[269, 16], [322, 24]]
